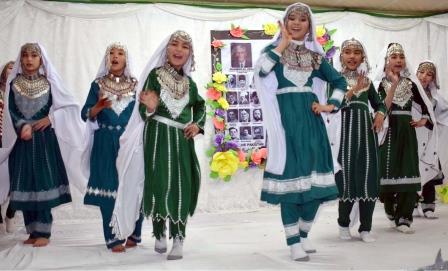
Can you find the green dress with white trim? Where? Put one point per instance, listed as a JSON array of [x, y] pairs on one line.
[[172, 173], [399, 161], [358, 154], [308, 173]]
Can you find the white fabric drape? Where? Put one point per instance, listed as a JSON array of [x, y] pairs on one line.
[[75, 36]]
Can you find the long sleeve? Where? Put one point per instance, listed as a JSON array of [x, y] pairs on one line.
[[92, 99], [150, 84], [17, 118], [198, 107], [268, 60], [337, 82], [418, 99], [375, 100]]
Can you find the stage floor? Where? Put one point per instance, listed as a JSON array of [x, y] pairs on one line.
[[245, 240]]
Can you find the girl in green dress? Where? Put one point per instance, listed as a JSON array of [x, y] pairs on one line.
[[170, 114], [108, 107], [40, 144], [358, 181], [399, 160], [299, 172]]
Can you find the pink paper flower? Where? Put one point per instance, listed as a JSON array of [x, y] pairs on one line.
[[321, 40], [213, 94], [237, 32], [217, 44], [219, 124], [242, 156]]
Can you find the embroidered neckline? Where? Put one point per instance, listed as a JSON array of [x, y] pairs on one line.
[[31, 86], [298, 57], [177, 85]]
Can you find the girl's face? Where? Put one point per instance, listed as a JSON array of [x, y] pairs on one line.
[[425, 77], [9, 69], [397, 62], [352, 58], [117, 58], [30, 61], [178, 52], [297, 25]]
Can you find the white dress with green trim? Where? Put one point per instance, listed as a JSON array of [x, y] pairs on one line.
[[308, 169]]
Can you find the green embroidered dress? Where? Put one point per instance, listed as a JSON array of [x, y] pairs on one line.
[[358, 153], [399, 161], [37, 172], [308, 173], [172, 173]]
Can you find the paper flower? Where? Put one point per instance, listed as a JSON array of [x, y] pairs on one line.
[[237, 32], [442, 193], [242, 156], [270, 29], [320, 31], [258, 156], [225, 163], [323, 36], [218, 123], [219, 87], [223, 103], [217, 44], [219, 77], [213, 94]]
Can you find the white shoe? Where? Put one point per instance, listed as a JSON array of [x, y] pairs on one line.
[[307, 246], [392, 224], [10, 226], [430, 215], [161, 246], [298, 254], [405, 229], [176, 252], [344, 233], [417, 211], [366, 236]]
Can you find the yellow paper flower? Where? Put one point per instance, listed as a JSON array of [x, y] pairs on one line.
[[320, 31], [219, 77], [219, 87], [225, 163], [223, 103], [244, 164], [270, 29]]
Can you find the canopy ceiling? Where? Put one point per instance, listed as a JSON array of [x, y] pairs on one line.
[[378, 7]]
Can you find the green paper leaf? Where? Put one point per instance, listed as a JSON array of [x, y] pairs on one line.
[[245, 37], [331, 32], [214, 175], [211, 151], [218, 67], [227, 178]]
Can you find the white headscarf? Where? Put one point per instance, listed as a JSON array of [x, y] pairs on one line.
[[266, 89], [441, 114], [364, 67], [130, 161], [65, 118], [427, 156], [103, 70]]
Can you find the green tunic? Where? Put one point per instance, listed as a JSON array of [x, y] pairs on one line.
[[358, 153], [399, 170], [308, 173], [36, 169], [172, 173]]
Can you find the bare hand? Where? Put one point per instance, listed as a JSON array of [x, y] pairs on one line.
[[391, 75], [361, 82], [191, 130], [99, 106], [319, 108], [41, 124], [378, 122], [417, 124], [286, 38], [150, 99], [27, 132]]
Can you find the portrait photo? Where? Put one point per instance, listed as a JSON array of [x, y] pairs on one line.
[[232, 115], [233, 132], [245, 133], [258, 132], [257, 115], [241, 55], [244, 115], [232, 98], [243, 97]]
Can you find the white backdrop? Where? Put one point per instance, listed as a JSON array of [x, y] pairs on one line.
[[76, 36]]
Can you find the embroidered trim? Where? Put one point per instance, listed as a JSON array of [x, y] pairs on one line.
[[41, 195], [38, 227], [111, 127], [401, 112], [403, 92], [305, 225], [300, 184], [291, 230], [31, 87], [267, 63], [398, 181], [101, 192], [303, 89]]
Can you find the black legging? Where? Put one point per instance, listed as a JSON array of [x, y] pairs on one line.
[[9, 213]]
